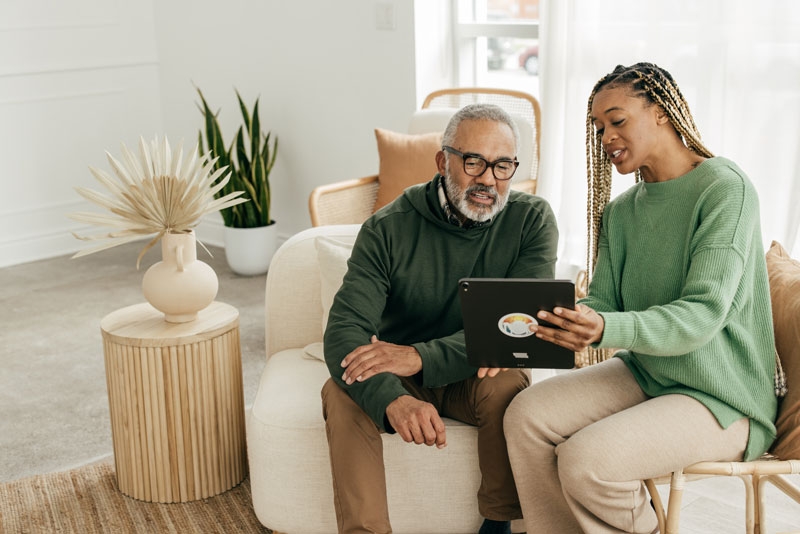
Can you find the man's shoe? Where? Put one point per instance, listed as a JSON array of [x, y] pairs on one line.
[[495, 527]]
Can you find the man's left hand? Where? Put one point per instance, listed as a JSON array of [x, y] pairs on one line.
[[380, 357], [483, 372]]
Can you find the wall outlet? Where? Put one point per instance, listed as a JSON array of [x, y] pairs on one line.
[[384, 16]]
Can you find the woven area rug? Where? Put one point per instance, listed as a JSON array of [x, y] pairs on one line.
[[86, 500]]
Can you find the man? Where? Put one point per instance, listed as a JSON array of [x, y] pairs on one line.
[[394, 342]]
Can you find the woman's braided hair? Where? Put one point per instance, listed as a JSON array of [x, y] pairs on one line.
[[656, 86]]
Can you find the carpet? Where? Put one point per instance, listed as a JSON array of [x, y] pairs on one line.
[[86, 500]]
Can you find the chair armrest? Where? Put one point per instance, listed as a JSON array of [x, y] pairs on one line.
[[293, 302], [346, 202]]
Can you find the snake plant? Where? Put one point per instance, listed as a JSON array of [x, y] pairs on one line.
[[249, 158]]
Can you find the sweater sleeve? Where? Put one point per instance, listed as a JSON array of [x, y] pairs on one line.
[[719, 245], [355, 316]]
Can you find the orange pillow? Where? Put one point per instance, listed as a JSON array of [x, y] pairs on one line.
[[784, 286], [405, 160]]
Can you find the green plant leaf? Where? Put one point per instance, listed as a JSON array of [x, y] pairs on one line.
[[250, 160]]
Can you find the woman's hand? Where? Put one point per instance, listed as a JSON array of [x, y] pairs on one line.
[[577, 329]]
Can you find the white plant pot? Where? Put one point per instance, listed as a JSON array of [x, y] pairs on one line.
[[249, 250]]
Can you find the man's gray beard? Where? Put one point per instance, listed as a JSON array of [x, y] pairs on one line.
[[460, 199]]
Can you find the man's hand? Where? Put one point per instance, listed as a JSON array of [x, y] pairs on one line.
[[578, 328], [380, 357], [416, 421], [490, 371]]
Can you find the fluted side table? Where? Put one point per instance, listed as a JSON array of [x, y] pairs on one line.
[[176, 401]]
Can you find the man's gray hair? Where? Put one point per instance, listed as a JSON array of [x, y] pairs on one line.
[[489, 112]]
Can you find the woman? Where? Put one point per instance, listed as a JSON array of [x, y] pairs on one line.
[[679, 286]]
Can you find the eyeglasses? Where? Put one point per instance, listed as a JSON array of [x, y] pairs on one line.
[[475, 165]]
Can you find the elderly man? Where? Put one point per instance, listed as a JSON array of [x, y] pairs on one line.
[[394, 343]]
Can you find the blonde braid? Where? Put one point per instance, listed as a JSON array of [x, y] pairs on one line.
[[662, 89], [598, 171]]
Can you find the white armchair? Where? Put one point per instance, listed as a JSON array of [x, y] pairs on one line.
[[288, 451]]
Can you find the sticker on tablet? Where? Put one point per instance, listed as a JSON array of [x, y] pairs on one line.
[[517, 324]]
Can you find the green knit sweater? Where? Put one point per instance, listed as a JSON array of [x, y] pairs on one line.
[[402, 284], [681, 282]]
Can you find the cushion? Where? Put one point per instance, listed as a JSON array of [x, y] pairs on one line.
[[430, 120], [314, 351], [784, 284], [332, 255], [405, 160]]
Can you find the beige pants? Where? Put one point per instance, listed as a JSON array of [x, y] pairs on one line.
[[581, 443], [356, 449]]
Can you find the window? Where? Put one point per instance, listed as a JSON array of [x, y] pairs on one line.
[[496, 44]]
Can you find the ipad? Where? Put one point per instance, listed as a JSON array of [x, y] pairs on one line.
[[498, 313]]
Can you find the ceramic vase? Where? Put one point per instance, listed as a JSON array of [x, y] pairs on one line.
[[249, 250], [180, 285]]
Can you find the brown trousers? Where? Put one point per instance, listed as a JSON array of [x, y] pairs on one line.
[[356, 448]]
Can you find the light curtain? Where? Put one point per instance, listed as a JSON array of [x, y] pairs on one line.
[[737, 63]]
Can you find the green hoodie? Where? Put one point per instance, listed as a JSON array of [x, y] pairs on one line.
[[402, 280], [681, 283]]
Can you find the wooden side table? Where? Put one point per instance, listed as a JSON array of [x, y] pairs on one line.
[[176, 401]]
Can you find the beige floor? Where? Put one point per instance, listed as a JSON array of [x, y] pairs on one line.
[[52, 383]]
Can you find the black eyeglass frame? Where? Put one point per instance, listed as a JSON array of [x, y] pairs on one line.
[[486, 162]]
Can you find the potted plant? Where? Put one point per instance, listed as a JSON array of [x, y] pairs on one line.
[[250, 234]]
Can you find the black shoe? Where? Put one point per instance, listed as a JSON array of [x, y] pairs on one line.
[[495, 527]]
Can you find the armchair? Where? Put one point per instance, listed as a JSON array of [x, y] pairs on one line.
[[287, 448]]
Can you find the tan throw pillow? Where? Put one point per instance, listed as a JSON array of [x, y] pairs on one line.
[[405, 160], [784, 285]]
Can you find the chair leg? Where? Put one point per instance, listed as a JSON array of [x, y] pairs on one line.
[[655, 497], [758, 505], [779, 482], [677, 482], [750, 503]]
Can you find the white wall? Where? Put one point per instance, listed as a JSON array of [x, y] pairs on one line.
[[325, 75], [78, 77]]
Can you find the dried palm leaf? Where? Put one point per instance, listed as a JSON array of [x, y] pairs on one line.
[[157, 192]]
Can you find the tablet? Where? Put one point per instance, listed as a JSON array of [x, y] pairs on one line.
[[498, 314]]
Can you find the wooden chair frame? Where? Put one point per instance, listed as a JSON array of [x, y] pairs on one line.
[[755, 475]]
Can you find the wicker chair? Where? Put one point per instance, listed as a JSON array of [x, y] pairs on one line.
[[352, 201], [755, 475], [784, 277]]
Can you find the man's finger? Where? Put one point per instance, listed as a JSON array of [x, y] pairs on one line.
[[441, 436]]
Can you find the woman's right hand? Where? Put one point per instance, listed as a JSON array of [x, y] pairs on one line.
[[577, 329]]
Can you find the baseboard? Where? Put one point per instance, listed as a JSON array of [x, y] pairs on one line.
[[44, 245]]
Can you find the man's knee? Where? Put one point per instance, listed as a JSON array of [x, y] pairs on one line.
[[340, 411], [494, 394], [332, 395]]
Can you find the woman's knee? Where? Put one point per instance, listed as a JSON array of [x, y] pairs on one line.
[[578, 461], [526, 415]]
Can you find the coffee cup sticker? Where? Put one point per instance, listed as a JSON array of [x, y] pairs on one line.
[[517, 324]]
